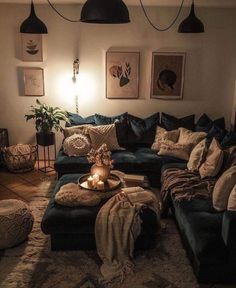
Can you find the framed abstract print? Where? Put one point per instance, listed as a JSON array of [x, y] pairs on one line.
[[33, 81], [167, 75], [122, 75], [31, 47]]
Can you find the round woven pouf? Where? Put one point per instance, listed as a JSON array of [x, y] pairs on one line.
[[16, 222]]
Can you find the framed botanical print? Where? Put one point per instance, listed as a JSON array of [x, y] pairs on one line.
[[33, 81], [167, 75], [31, 47], [122, 75]]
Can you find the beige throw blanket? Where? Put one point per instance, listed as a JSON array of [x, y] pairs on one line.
[[117, 226]]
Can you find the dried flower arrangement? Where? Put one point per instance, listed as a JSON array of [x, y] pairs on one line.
[[101, 156]]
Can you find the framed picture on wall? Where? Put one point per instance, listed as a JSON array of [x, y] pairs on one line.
[[33, 81], [32, 47], [122, 75], [167, 75]]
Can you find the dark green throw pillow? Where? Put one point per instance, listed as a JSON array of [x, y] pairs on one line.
[[106, 120], [170, 122]]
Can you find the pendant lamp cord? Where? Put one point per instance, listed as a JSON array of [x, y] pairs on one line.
[[62, 16], [169, 26]]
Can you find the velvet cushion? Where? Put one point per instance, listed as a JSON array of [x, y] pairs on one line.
[[197, 156], [217, 133], [223, 188], [76, 119], [204, 123], [141, 132], [229, 139], [105, 120], [170, 122]]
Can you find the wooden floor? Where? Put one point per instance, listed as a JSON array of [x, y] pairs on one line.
[[22, 186]]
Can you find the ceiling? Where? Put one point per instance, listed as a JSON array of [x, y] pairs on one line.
[[203, 3]]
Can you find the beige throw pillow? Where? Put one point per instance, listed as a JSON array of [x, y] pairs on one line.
[[162, 135], [80, 129], [232, 200], [188, 137], [169, 148], [104, 134], [214, 160], [197, 156], [222, 189], [76, 145]]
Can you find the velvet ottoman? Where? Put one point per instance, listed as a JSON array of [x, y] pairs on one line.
[[73, 228]]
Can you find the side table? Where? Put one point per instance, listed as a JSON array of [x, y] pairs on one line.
[[46, 141]]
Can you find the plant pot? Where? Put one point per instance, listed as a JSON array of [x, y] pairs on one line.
[[45, 139], [103, 171]]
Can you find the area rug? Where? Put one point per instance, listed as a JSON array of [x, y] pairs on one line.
[[33, 265]]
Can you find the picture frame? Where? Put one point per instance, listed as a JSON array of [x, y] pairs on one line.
[[33, 81], [31, 47], [122, 75], [167, 78]]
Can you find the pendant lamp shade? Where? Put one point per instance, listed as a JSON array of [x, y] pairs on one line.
[[191, 24], [33, 24], [105, 12]]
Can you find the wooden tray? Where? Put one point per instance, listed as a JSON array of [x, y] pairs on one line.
[[112, 183]]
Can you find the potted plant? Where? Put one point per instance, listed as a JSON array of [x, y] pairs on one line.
[[46, 118]]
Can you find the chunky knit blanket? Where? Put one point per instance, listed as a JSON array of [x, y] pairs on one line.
[[117, 226], [184, 185]]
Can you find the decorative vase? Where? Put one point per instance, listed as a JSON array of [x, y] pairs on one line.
[[103, 171]]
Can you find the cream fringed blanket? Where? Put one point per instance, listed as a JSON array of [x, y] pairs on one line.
[[117, 226]]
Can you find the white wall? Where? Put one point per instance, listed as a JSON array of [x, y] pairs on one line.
[[209, 77]]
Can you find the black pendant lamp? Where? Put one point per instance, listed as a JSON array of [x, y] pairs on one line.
[[33, 24], [105, 12], [191, 24]]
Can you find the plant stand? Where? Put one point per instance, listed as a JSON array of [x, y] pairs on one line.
[[47, 167]]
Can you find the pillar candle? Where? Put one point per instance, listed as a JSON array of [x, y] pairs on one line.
[[100, 185], [90, 182]]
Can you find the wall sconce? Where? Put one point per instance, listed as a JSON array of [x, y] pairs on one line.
[[74, 78]]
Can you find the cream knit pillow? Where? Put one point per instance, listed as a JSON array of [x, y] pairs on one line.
[[169, 148], [188, 137], [197, 156], [232, 200], [76, 145], [222, 189], [162, 135], [214, 160], [104, 134], [80, 129]]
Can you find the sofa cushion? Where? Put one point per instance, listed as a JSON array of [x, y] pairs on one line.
[[201, 226], [197, 156], [170, 122], [141, 132], [104, 134], [188, 137], [105, 120], [214, 160], [204, 123], [229, 140], [162, 134], [76, 119], [217, 133], [77, 145], [231, 206], [222, 189]]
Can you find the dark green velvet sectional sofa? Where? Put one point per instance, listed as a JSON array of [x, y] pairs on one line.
[[209, 236]]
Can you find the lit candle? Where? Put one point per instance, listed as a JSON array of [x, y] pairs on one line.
[[90, 182], [100, 185], [95, 180]]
